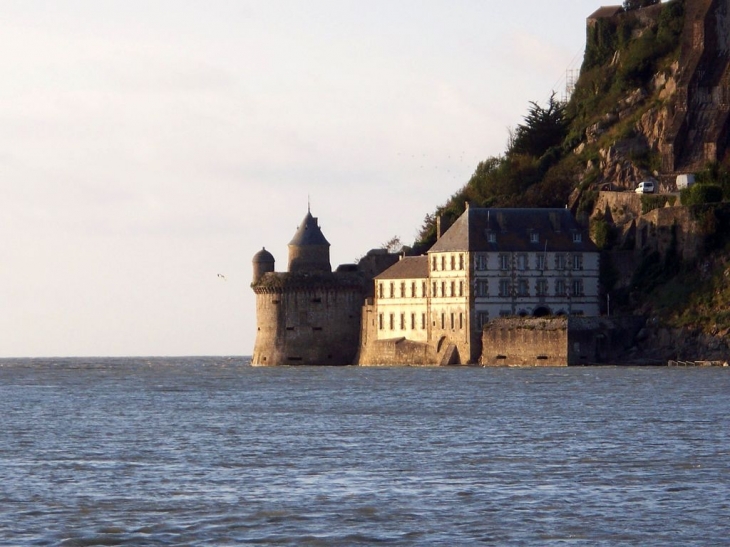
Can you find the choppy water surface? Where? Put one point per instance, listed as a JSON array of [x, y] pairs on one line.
[[209, 451]]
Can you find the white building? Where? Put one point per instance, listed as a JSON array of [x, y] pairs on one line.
[[491, 263]]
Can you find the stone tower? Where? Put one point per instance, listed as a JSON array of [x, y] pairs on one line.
[[309, 315], [263, 263], [309, 250]]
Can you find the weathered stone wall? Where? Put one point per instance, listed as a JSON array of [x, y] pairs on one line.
[[525, 342], [670, 227], [658, 230], [397, 352], [300, 325], [560, 341]]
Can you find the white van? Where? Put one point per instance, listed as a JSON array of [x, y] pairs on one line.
[[685, 181], [646, 187]]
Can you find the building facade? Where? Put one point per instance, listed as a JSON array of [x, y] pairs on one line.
[[491, 263]]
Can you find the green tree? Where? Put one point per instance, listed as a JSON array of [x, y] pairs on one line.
[[543, 129]]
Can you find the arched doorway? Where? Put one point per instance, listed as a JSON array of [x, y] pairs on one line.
[[541, 311]]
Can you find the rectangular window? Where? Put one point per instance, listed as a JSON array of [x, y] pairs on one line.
[[577, 237], [402, 321], [492, 237], [453, 262], [380, 321], [481, 262], [504, 288], [461, 288], [423, 321], [392, 322], [413, 289], [577, 262], [541, 287], [443, 289], [504, 262], [413, 321], [560, 287], [452, 322], [443, 321], [461, 262], [433, 293], [577, 287], [482, 287], [453, 288], [540, 262], [521, 261], [483, 319], [443, 262], [392, 290], [381, 293], [433, 263], [560, 262], [461, 321], [423, 289], [534, 237], [523, 288]]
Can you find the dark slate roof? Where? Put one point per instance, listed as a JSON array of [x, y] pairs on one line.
[[263, 256], [309, 233], [513, 229], [409, 267], [605, 11]]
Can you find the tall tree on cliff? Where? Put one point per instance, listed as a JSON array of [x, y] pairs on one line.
[[543, 129]]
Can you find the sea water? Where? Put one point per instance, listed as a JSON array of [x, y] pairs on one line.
[[210, 451]]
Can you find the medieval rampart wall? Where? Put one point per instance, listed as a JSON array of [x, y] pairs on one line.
[[525, 342]]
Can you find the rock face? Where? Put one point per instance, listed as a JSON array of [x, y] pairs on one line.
[[679, 121]]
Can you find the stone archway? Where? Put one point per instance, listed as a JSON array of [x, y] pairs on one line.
[[541, 311]]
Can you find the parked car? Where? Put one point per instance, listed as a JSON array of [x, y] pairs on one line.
[[646, 187]]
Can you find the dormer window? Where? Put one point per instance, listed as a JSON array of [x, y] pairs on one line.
[[577, 237], [491, 237], [534, 237]]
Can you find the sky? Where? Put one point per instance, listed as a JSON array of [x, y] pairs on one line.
[[147, 146]]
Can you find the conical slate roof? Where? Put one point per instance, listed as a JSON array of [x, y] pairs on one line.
[[263, 256], [309, 233]]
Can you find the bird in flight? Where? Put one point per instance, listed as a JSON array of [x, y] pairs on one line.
[[223, 277]]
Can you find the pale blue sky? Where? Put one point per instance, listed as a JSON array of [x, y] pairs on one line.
[[146, 146]]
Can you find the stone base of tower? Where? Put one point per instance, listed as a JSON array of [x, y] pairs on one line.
[[307, 319]]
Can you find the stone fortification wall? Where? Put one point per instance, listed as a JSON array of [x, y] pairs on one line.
[[397, 352], [670, 228], [525, 342], [659, 230], [560, 341], [307, 319]]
